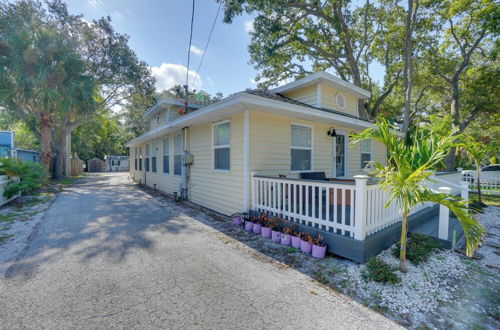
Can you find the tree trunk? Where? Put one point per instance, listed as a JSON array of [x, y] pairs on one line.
[[404, 237], [408, 66], [61, 153], [478, 182], [455, 123], [46, 140]]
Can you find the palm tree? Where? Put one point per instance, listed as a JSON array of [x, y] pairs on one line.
[[412, 159], [476, 152]]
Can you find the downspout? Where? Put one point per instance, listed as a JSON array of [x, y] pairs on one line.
[[185, 164]]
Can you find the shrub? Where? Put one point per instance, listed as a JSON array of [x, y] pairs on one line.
[[379, 271], [419, 248], [31, 176]]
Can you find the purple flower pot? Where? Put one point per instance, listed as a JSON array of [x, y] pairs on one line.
[[266, 232], [237, 220], [276, 236], [296, 242], [248, 226], [256, 228], [305, 246], [286, 239], [318, 251]]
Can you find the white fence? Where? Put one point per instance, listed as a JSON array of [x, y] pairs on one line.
[[355, 210], [488, 181]]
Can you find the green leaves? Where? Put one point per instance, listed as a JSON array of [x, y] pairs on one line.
[[412, 159]]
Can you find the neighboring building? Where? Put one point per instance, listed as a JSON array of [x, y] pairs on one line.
[[117, 163], [273, 151], [96, 165], [7, 149]]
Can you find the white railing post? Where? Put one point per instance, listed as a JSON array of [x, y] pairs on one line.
[[464, 191], [253, 203], [444, 216], [360, 207]]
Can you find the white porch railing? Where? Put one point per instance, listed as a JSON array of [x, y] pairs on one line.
[[355, 210]]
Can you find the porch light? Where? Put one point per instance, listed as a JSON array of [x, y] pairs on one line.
[[331, 132]]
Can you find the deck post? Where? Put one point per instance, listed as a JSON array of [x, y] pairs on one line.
[[253, 202], [464, 192], [360, 207], [444, 216]]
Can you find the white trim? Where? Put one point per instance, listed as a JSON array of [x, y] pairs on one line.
[[334, 154], [237, 103], [311, 148], [246, 159], [224, 146], [325, 77], [318, 95]]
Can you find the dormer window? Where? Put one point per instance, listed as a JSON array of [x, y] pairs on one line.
[[339, 98]]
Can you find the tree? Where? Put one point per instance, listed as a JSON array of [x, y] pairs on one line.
[[289, 35], [412, 160], [42, 75], [470, 28]]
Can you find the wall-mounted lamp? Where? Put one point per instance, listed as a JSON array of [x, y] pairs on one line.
[[331, 132]]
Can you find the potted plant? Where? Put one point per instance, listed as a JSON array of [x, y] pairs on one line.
[[249, 223], [237, 219], [267, 226], [286, 236], [305, 243], [257, 224], [318, 247]]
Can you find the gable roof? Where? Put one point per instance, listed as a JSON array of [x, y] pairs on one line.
[[326, 78], [166, 101]]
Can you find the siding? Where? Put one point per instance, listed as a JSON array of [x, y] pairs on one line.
[[270, 146], [328, 101], [219, 191], [306, 95]]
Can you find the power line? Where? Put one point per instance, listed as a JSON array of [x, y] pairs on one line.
[[206, 45], [189, 54]]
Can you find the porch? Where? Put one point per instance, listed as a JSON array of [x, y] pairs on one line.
[[352, 216]]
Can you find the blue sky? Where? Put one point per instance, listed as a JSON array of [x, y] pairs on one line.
[[159, 33]]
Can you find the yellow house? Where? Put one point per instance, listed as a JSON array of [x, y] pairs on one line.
[[279, 132], [284, 151]]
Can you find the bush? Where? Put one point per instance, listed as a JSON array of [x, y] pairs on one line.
[[379, 271], [418, 248], [31, 176]]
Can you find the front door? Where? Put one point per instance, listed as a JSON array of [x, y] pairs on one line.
[[339, 155]]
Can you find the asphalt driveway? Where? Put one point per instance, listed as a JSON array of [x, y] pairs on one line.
[[107, 255]]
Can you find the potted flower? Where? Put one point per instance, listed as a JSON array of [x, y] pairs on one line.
[[249, 223], [286, 236], [237, 219], [257, 224], [318, 247], [268, 224], [305, 242]]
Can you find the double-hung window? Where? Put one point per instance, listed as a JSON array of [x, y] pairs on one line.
[[154, 150], [178, 154], [135, 159], [166, 160], [222, 148], [365, 147], [301, 148], [140, 158], [146, 162]]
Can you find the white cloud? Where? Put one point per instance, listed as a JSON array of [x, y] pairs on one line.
[[95, 3], [249, 28], [170, 74], [195, 50], [252, 81]]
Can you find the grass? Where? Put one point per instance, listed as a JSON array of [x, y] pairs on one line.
[[3, 238], [64, 181], [487, 199]]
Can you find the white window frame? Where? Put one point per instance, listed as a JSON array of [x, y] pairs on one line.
[[346, 156], [302, 148], [361, 153], [178, 154], [214, 125], [165, 142]]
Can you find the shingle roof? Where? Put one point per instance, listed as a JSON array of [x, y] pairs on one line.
[[280, 97]]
